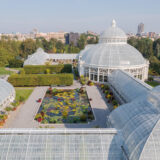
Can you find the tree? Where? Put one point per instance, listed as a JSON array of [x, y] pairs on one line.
[[156, 48], [15, 63], [60, 47], [28, 47], [3, 57], [144, 45], [82, 41]]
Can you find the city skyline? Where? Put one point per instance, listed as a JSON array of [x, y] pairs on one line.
[[78, 15]]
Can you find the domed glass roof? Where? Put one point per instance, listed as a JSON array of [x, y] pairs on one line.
[[38, 58], [112, 55], [6, 90], [113, 35], [112, 51]]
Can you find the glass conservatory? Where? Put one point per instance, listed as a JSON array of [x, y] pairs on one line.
[[112, 53], [133, 134], [40, 58], [7, 93], [59, 144], [126, 87], [138, 120]]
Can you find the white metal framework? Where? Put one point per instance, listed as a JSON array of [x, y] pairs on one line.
[[135, 135], [112, 53], [40, 58], [126, 87], [138, 119], [59, 144], [7, 93]]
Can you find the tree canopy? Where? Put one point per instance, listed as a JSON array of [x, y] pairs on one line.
[[150, 50]]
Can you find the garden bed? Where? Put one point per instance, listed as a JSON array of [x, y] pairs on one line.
[[109, 95], [65, 106]]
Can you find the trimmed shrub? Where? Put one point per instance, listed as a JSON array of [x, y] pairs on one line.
[[47, 71], [22, 72], [41, 69], [41, 80]]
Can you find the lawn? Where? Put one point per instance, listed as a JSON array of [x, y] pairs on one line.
[[23, 92], [153, 83], [5, 72], [22, 95], [65, 106]]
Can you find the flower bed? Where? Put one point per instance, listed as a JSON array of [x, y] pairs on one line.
[[109, 95], [65, 106], [3, 117]]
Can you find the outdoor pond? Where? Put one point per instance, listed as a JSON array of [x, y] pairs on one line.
[[65, 106]]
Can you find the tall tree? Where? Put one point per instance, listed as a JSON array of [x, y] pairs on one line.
[[28, 47]]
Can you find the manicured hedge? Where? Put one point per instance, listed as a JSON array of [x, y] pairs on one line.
[[41, 79], [41, 69]]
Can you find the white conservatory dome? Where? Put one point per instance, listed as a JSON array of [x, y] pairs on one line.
[[7, 93], [112, 52]]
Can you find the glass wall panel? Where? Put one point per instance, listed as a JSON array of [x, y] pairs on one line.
[[105, 79], [95, 77], [100, 78]]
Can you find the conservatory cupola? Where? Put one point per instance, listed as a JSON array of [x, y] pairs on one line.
[[113, 35]]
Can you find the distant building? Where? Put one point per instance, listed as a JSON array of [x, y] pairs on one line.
[[60, 36], [152, 34], [92, 33], [140, 29], [72, 38]]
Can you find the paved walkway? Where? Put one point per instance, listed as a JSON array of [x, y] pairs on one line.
[[11, 69], [24, 116]]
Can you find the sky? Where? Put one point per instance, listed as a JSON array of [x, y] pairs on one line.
[[78, 15]]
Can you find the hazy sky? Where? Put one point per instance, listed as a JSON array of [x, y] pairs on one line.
[[78, 15]]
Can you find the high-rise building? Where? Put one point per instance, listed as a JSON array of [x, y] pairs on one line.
[[72, 38], [140, 29]]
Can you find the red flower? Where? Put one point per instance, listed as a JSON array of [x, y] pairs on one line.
[[39, 119]]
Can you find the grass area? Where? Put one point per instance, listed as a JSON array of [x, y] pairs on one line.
[[23, 92], [153, 83], [22, 95], [5, 72]]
